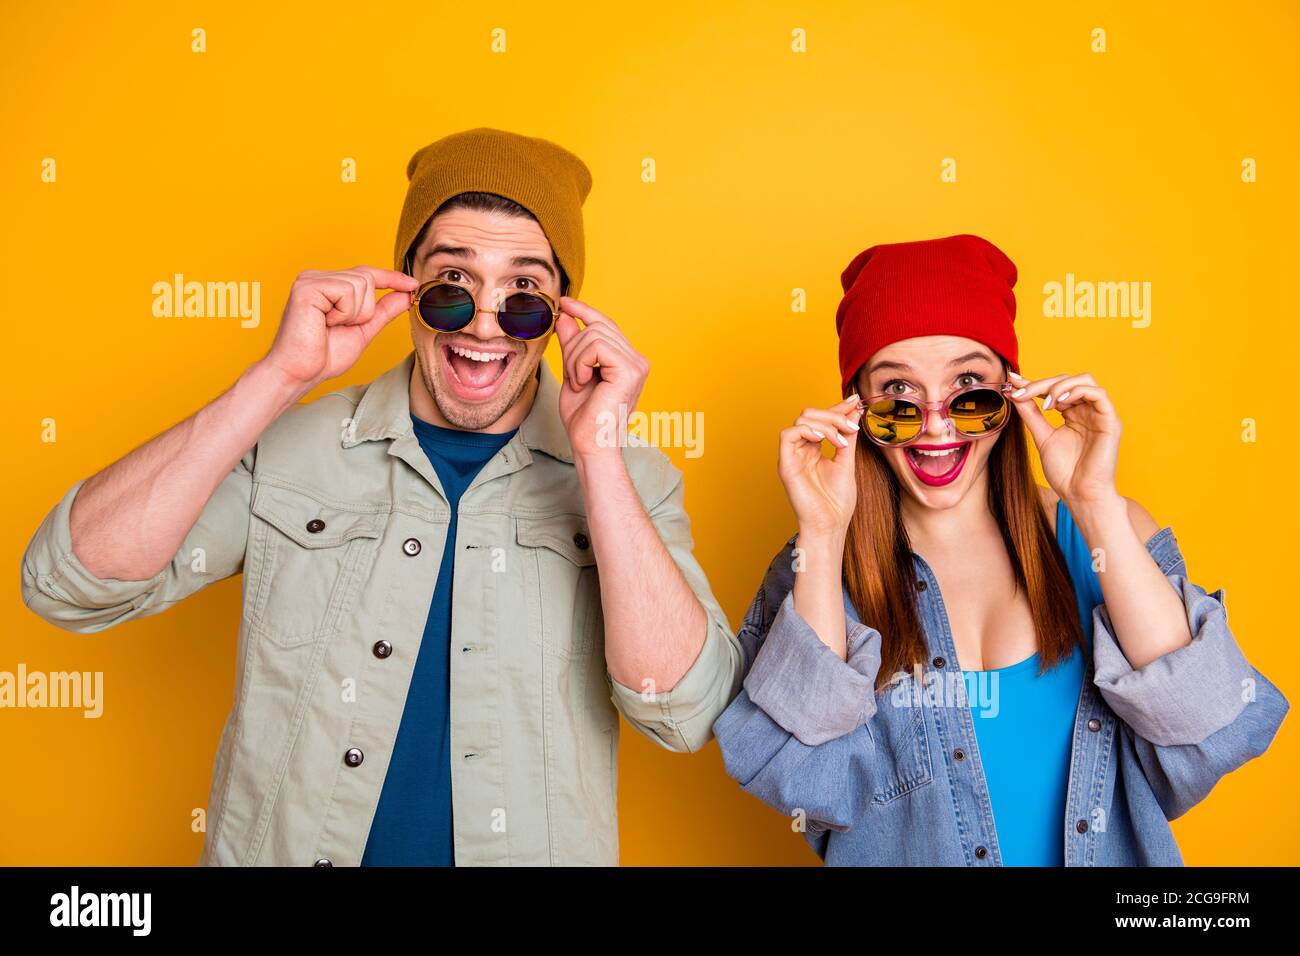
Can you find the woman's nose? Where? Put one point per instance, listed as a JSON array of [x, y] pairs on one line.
[[937, 425]]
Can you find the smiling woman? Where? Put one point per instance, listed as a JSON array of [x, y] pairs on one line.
[[928, 550]]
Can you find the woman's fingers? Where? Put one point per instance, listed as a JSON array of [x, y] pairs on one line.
[[837, 425]]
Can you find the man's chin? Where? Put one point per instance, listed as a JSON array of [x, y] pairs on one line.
[[471, 415]]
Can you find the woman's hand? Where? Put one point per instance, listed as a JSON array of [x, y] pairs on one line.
[[1079, 456], [822, 491]]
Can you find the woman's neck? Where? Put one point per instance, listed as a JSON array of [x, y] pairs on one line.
[[942, 528]]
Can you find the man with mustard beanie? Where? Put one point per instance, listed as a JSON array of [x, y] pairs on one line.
[[455, 577]]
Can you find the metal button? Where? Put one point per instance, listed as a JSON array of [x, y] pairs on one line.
[[411, 547], [1094, 725], [382, 649], [959, 754], [920, 584], [939, 662], [1082, 826], [315, 526], [322, 862], [353, 757], [582, 541], [981, 852]]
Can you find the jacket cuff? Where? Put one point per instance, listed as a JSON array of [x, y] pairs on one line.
[[1184, 696], [799, 682], [682, 719], [51, 570]]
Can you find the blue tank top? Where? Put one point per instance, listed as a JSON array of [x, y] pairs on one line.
[[1024, 725]]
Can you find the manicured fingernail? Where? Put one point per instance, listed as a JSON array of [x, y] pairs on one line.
[[1063, 396], [819, 434], [1017, 393], [1048, 403], [1015, 375], [852, 397], [851, 424], [842, 440]]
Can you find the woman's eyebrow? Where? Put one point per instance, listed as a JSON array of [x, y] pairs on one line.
[[970, 357]]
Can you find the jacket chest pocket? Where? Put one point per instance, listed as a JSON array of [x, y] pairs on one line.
[[308, 559], [902, 758], [561, 587]]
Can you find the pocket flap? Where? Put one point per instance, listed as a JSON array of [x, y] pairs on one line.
[[567, 535], [296, 514]]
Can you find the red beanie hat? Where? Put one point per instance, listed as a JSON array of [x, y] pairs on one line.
[[960, 285]]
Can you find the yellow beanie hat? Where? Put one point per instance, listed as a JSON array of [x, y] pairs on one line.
[[546, 179]]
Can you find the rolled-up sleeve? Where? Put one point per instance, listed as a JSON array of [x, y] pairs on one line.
[[681, 719], [57, 587], [797, 737], [805, 687], [1186, 695], [1198, 712]]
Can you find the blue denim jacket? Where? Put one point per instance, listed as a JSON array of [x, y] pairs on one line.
[[895, 779]]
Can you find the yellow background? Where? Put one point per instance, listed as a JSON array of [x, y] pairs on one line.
[[773, 170]]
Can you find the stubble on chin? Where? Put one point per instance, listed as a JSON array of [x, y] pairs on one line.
[[475, 417]]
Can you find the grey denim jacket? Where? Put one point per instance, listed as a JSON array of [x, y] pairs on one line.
[[874, 778]]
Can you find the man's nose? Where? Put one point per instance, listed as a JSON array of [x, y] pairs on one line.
[[485, 325]]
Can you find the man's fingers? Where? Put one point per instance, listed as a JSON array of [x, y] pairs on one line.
[[566, 327], [390, 306], [388, 279], [597, 351], [580, 309]]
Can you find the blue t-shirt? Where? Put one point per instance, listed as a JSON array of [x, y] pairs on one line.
[[1024, 725], [413, 822]]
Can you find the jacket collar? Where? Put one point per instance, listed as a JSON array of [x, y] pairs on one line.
[[384, 412]]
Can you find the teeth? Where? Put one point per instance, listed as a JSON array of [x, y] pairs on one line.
[[478, 356], [937, 454]]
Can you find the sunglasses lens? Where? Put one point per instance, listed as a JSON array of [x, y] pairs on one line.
[[525, 316], [978, 412], [446, 307], [892, 421]]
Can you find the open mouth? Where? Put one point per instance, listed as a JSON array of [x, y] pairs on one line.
[[475, 373], [938, 464]]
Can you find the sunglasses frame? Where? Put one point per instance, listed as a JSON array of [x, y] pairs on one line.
[[429, 284], [1001, 388]]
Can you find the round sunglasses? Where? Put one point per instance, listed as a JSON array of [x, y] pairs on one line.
[[975, 411], [443, 306]]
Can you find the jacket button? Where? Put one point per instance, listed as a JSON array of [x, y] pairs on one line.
[[1094, 725], [920, 584], [939, 662], [411, 547], [582, 541], [382, 649], [959, 754], [1082, 826], [981, 852], [315, 526], [353, 757], [322, 862]]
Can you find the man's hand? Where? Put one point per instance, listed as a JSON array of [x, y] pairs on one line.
[[331, 317], [603, 376]]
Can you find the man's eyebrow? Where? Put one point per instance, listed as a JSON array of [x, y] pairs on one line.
[[442, 248], [525, 261], [466, 252]]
